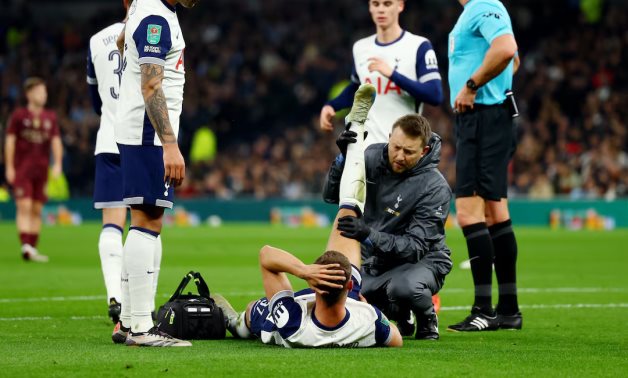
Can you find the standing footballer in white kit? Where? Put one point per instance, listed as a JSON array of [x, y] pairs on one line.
[[402, 66], [104, 73], [152, 165]]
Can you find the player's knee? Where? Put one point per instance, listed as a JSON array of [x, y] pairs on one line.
[[24, 206], [37, 209], [470, 210], [400, 290], [421, 299], [497, 212], [422, 292]]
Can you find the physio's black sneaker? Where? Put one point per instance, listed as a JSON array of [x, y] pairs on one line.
[[119, 334], [406, 327], [154, 338], [477, 321], [514, 321], [114, 310], [427, 328]]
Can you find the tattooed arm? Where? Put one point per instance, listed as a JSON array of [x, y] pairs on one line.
[[157, 110]]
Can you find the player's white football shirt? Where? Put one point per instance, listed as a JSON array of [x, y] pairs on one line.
[[104, 68], [152, 35], [297, 326], [410, 55]]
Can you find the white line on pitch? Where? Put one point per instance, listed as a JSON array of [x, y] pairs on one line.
[[445, 308], [82, 298], [581, 290], [550, 306]]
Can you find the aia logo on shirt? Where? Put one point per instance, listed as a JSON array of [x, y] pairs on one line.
[[384, 85], [181, 61], [281, 315]]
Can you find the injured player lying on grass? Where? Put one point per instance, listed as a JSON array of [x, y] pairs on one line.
[[331, 313]]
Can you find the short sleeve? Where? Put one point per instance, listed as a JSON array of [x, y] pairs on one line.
[[426, 63], [153, 40], [13, 124], [287, 314], [382, 329], [55, 125], [490, 21], [91, 71]]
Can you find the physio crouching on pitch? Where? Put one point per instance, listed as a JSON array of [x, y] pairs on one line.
[[402, 232], [482, 60]]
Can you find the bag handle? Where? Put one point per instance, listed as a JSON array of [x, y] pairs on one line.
[[201, 285], [184, 282]]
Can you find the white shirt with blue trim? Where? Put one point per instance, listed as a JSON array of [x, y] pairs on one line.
[[410, 55], [104, 69], [152, 35], [296, 325]]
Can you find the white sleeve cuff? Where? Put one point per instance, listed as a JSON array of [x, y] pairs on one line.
[[429, 77], [152, 60], [279, 295]]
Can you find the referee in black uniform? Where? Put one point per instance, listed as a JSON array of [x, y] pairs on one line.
[[482, 60]]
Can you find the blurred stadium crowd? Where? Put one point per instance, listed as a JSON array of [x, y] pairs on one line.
[[258, 72]]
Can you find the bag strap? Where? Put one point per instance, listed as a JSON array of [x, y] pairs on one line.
[[184, 282], [201, 285]]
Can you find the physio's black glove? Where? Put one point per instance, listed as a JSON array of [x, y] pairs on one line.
[[346, 137], [353, 228]]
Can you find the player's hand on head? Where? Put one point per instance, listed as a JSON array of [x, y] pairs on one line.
[[323, 277], [379, 65], [327, 114], [174, 165]]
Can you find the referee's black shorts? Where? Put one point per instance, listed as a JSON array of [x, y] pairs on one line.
[[485, 143]]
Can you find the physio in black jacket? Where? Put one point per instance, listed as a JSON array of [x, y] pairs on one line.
[[402, 231]]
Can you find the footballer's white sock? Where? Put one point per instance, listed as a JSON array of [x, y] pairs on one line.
[[139, 252], [239, 329], [110, 250], [353, 180], [156, 269], [125, 314]]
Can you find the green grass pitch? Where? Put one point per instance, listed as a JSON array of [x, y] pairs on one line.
[[573, 293]]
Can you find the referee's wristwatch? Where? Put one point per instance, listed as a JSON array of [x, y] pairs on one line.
[[472, 85]]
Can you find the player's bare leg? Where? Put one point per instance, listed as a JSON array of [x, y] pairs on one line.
[[36, 212], [346, 246], [23, 218], [28, 219], [110, 250]]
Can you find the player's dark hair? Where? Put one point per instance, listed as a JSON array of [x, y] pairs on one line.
[[332, 257], [32, 82], [415, 126]]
